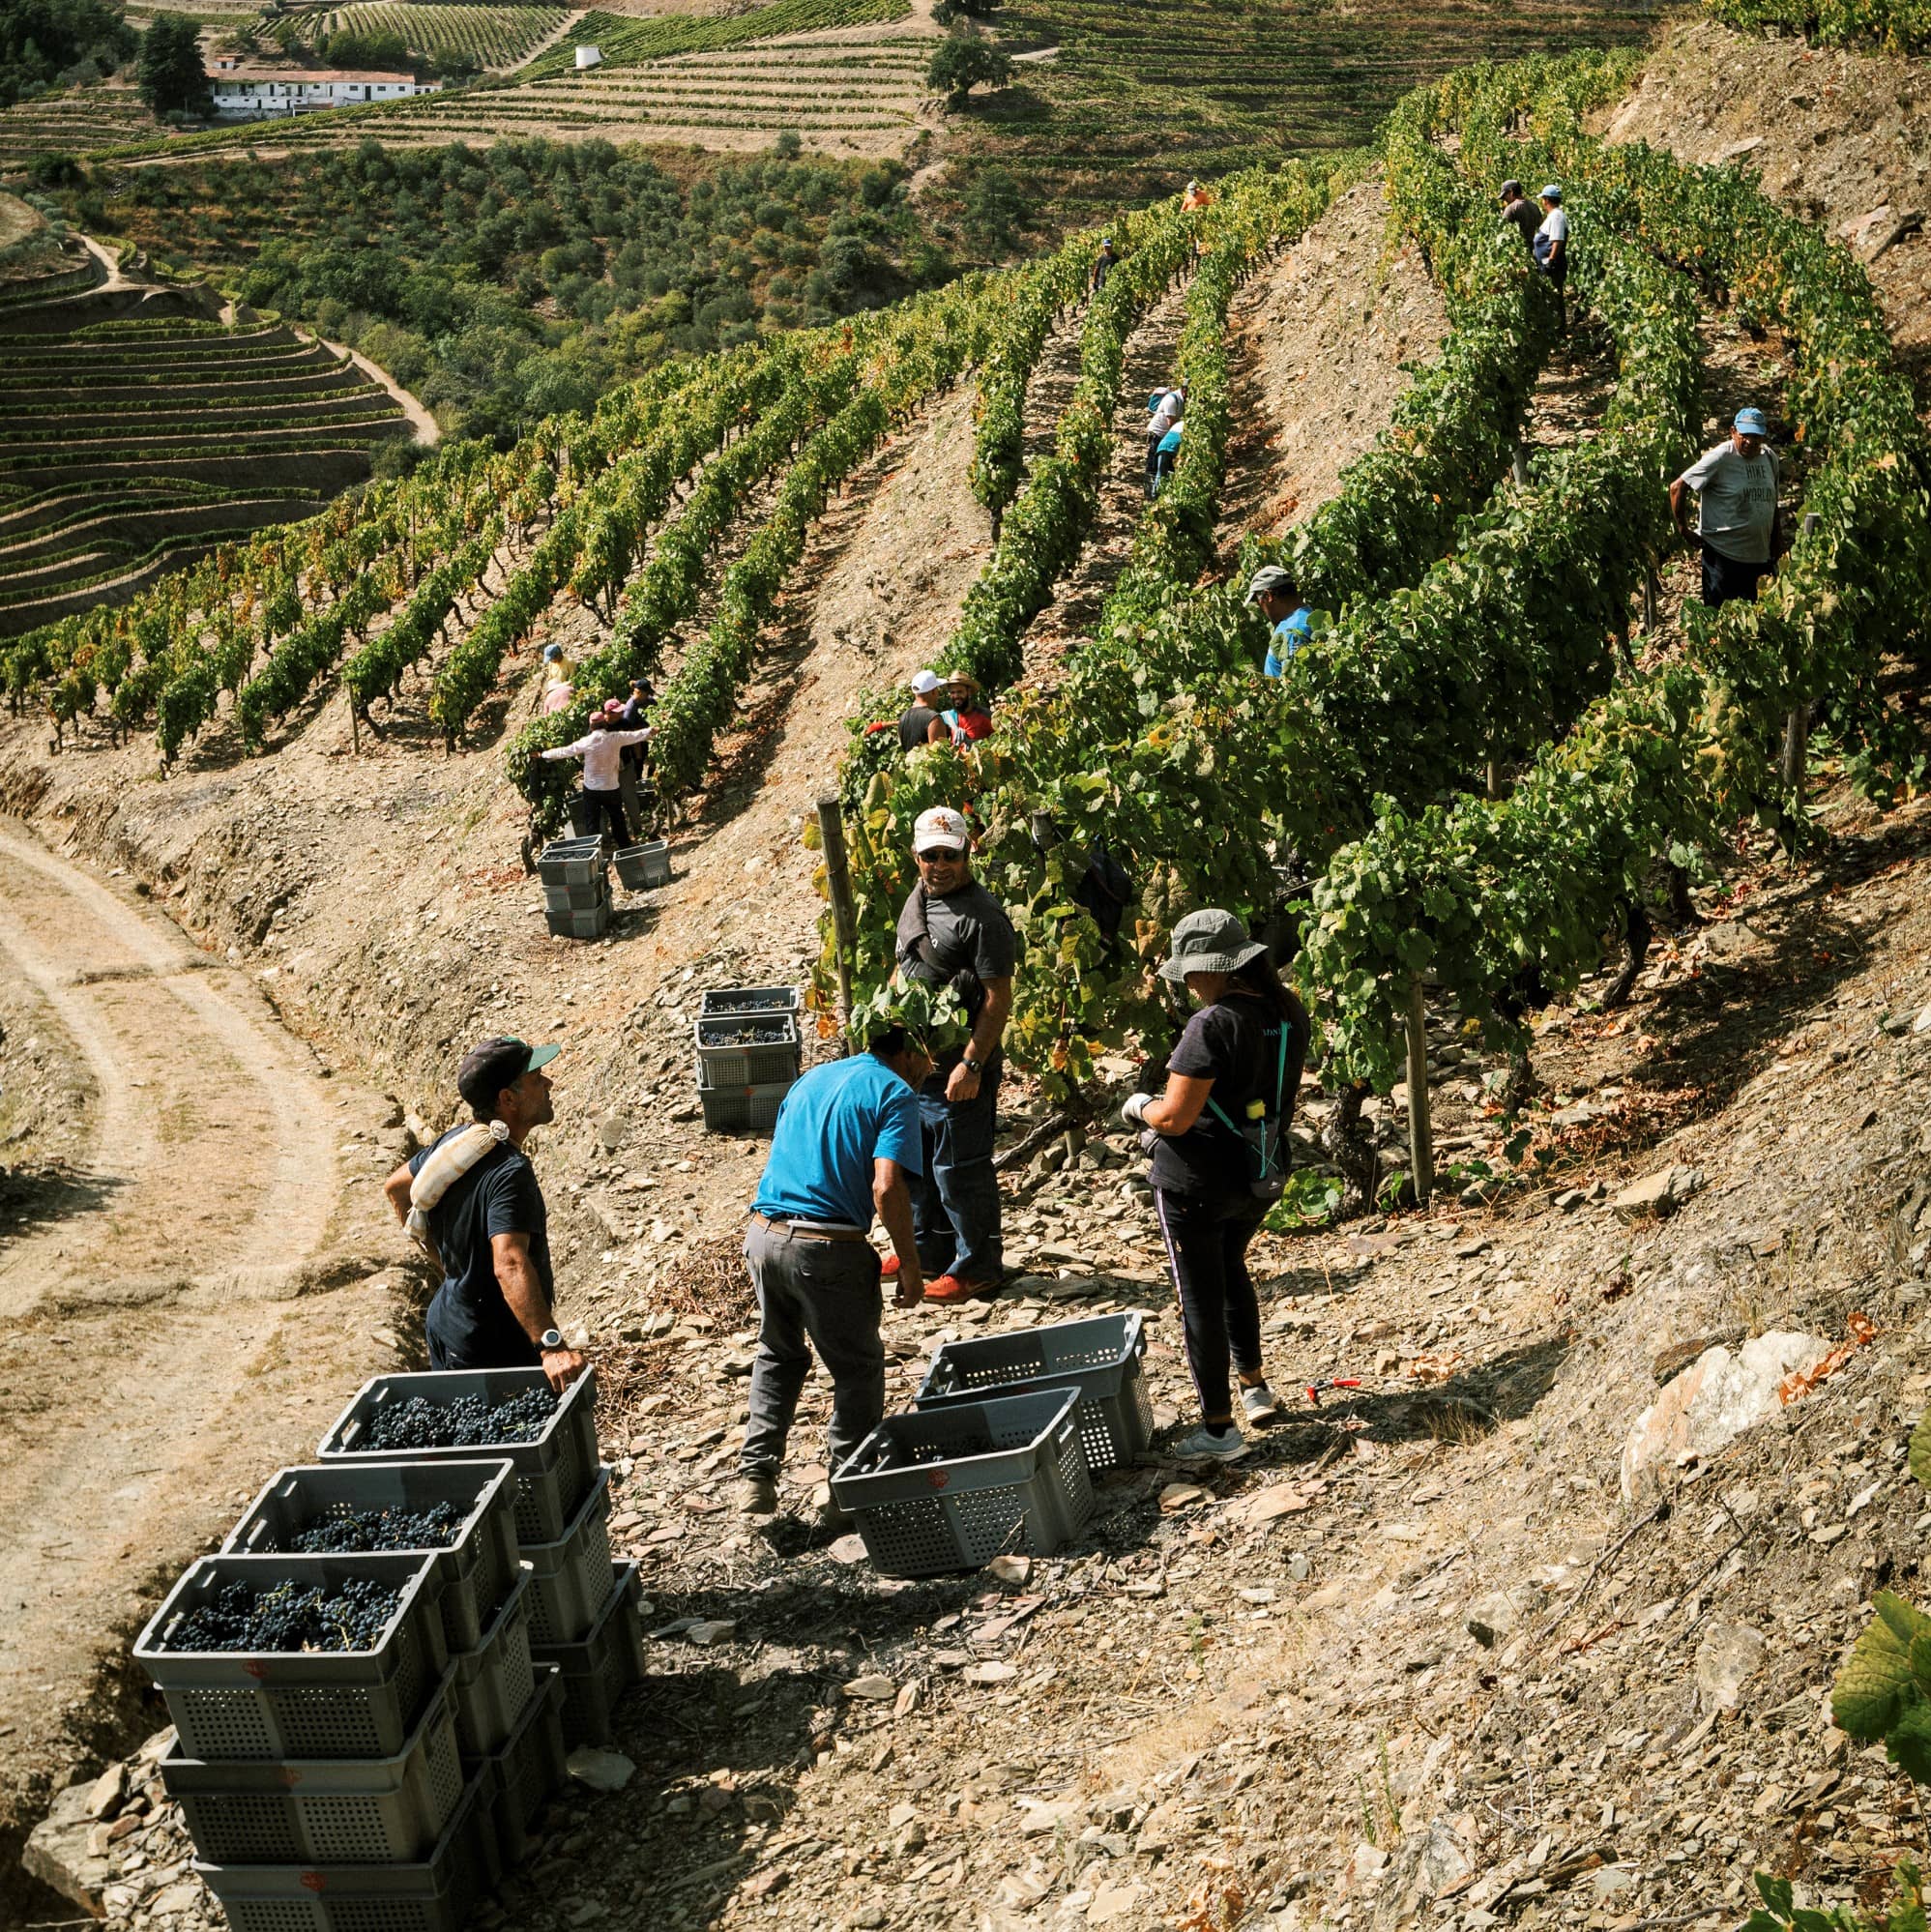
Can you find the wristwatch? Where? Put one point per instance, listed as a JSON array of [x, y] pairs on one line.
[[972, 1065], [551, 1340]]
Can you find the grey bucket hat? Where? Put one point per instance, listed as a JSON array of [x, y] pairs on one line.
[[1209, 941]]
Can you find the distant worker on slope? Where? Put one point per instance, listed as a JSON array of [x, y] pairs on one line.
[[1194, 199], [1166, 454], [915, 727], [846, 1144], [472, 1203], [1738, 524], [1521, 213], [965, 720], [601, 748], [1272, 589], [1551, 247], [1164, 408], [1102, 264]]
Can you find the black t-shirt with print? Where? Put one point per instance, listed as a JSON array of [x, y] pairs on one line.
[[1236, 1043]]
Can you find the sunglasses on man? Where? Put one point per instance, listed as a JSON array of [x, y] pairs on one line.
[[941, 855]]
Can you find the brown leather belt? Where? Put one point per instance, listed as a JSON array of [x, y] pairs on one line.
[[792, 1231]]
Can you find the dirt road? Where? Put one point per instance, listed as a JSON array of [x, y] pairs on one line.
[[157, 1351]]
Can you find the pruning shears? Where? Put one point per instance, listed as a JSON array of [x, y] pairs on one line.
[[1314, 1388]]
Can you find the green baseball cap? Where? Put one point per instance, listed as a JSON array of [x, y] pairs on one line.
[[491, 1065]]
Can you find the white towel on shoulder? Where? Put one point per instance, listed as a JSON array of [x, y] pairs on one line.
[[450, 1159]]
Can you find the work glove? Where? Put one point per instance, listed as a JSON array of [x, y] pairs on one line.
[[1134, 1111]]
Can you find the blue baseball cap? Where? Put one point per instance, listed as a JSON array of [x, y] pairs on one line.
[[1552, 192], [1750, 423]]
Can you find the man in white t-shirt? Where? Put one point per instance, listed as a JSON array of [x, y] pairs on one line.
[[1551, 244], [1164, 408], [1738, 521]]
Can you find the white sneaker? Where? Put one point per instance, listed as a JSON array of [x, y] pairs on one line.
[[1207, 1444], [1259, 1403]]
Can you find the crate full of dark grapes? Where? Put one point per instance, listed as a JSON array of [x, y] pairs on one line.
[[748, 1049], [572, 861], [749, 1000], [443, 1893], [465, 1512], [463, 1414], [298, 1656], [362, 1811]]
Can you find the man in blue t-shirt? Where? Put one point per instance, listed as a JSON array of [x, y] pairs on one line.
[[1272, 589], [846, 1141]]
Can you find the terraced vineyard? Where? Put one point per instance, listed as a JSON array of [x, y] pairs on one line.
[[74, 123], [495, 36], [128, 446], [840, 96], [625, 40], [1233, 78]]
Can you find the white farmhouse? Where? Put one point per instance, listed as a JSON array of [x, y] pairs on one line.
[[254, 93]]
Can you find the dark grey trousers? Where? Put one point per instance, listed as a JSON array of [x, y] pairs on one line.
[[824, 1294]]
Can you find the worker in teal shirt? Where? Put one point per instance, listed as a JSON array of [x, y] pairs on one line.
[[1272, 589]]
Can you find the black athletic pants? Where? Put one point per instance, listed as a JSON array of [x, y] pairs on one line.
[[605, 808], [1726, 581], [1207, 1240]]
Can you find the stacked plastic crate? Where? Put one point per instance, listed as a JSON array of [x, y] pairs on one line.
[[576, 888], [749, 1056], [1000, 1446], [643, 867], [580, 1613], [391, 1781]]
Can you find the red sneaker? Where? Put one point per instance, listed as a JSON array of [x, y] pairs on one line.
[[889, 1267], [949, 1288]]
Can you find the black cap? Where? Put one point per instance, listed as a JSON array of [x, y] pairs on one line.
[[491, 1065]]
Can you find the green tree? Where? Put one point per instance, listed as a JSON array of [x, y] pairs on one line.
[[961, 63], [949, 11], [994, 212], [169, 72], [41, 40]]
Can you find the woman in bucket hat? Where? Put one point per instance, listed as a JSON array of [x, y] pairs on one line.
[[1218, 1141]]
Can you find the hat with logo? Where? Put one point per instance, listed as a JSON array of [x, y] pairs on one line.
[[491, 1065], [1751, 422], [940, 828], [1209, 941]]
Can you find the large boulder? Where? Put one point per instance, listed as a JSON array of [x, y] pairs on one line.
[[59, 1853], [1714, 1400]]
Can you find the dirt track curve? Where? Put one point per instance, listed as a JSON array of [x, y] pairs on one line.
[[157, 1351]]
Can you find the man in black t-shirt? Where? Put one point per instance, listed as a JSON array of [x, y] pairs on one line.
[[1521, 213], [495, 1306], [920, 720], [952, 931]]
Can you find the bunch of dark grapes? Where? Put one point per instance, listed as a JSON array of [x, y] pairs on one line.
[[289, 1617], [740, 1003], [340, 1529], [768, 1033], [467, 1422]]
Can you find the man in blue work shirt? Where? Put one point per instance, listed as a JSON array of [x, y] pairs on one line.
[[847, 1138], [1272, 589]]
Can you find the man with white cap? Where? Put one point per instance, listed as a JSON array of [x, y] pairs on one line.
[[917, 722], [1738, 522], [1551, 247], [953, 932]]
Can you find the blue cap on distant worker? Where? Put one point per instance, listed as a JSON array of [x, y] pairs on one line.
[[1750, 423], [1552, 192]]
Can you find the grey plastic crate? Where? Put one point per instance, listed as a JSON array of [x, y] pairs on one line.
[[749, 1000], [643, 867], [362, 1811], [591, 924], [529, 1768], [1099, 1357], [726, 1058], [734, 1110], [571, 1577], [605, 1665], [950, 1488], [443, 1892], [494, 1681], [572, 861], [576, 898], [553, 1473], [477, 1569], [240, 1706]]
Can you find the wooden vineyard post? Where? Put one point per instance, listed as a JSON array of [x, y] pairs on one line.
[[1797, 726], [1518, 462], [1652, 594], [1420, 1134], [844, 922]]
